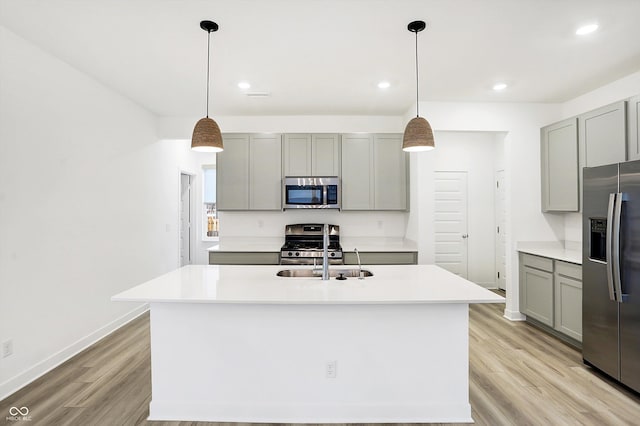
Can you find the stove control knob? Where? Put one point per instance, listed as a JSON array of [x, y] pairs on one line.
[[290, 254], [297, 253], [333, 254]]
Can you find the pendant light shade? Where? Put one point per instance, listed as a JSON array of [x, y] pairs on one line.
[[206, 135], [418, 135]]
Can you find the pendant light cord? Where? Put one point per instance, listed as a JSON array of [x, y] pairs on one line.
[[208, 58], [417, 102]]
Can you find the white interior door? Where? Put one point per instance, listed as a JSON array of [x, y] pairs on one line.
[[501, 231], [185, 219], [451, 221]]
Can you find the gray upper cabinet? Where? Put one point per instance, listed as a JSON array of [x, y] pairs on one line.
[[249, 172], [559, 166], [603, 135], [297, 154], [633, 114], [325, 155], [265, 172], [232, 169], [357, 172], [390, 173], [311, 154], [374, 172]]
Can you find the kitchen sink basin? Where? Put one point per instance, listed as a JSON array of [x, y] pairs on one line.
[[333, 273]]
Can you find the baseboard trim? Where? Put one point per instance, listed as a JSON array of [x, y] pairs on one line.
[[301, 412], [21, 380], [514, 315]]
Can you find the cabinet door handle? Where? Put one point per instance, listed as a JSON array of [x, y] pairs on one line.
[[465, 235]]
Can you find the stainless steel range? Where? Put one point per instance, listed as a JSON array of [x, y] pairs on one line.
[[303, 245]]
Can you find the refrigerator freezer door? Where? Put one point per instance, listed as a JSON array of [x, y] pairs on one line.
[[599, 312], [630, 256]]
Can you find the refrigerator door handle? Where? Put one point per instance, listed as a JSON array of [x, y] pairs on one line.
[[609, 247], [617, 282]]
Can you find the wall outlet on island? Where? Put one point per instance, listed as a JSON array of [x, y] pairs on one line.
[[331, 370], [7, 348]]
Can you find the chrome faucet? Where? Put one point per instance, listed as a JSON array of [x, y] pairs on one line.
[[325, 253], [360, 277]]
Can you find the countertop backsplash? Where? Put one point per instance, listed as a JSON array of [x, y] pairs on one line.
[[352, 223]]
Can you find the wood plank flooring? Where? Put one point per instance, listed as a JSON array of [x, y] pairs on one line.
[[518, 376]]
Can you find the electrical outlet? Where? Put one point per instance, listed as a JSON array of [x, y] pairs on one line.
[[331, 370], [7, 348]]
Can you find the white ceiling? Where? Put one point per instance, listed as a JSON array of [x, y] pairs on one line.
[[327, 56]]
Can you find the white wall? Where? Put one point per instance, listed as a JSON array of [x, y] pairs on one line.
[[182, 127], [88, 207], [474, 153], [521, 123]]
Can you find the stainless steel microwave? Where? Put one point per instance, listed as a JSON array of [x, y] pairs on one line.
[[307, 192]]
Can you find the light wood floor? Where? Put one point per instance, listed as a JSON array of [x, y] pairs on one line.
[[518, 376]]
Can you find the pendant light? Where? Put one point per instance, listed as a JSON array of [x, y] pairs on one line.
[[206, 135], [418, 135]]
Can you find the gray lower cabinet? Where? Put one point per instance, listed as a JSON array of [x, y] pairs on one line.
[[243, 258], [306, 154], [559, 166], [537, 289], [603, 135], [374, 172], [633, 124], [568, 299], [382, 258], [551, 294], [249, 172]]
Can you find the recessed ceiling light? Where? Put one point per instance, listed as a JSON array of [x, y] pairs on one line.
[[499, 86], [384, 85], [587, 29], [244, 85]]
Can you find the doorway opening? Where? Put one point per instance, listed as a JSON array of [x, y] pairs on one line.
[[186, 219]]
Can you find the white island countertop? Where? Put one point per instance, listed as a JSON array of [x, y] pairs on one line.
[[406, 284]]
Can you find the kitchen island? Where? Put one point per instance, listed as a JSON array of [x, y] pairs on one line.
[[240, 344]]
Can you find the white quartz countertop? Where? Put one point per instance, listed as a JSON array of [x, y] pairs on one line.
[[273, 244], [551, 250], [259, 284]]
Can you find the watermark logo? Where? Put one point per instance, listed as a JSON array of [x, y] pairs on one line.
[[18, 414]]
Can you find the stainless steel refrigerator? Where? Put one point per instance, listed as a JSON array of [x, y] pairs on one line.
[[611, 271]]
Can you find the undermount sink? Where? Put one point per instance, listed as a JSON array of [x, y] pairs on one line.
[[333, 273]]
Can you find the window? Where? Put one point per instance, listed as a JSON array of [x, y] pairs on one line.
[[210, 212]]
